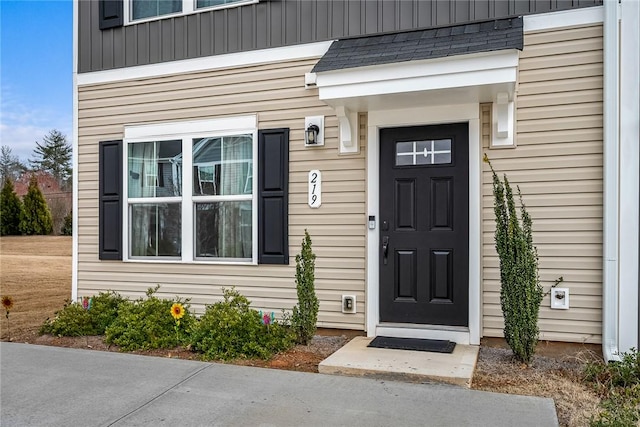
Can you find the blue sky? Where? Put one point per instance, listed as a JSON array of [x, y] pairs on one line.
[[36, 64]]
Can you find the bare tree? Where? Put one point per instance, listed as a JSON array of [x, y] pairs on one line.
[[10, 166]]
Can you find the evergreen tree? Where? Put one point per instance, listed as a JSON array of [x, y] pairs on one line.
[[36, 217], [10, 210], [520, 291], [10, 166], [54, 156], [305, 313], [67, 226]]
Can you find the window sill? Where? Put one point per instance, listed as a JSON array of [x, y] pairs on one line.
[[188, 262]]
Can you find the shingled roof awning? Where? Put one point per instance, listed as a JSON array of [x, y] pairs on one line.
[[409, 71], [431, 43]]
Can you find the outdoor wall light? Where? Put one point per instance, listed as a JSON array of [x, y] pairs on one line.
[[313, 131], [311, 134]]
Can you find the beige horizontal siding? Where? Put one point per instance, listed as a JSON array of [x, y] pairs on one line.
[[574, 97], [558, 166], [276, 93]]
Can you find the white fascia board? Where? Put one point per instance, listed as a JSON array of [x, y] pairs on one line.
[[208, 63], [425, 67], [417, 84], [452, 72], [221, 125], [563, 18]]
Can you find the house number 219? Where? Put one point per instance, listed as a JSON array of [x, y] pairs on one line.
[[315, 188]]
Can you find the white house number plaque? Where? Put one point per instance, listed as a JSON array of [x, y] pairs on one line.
[[315, 188]]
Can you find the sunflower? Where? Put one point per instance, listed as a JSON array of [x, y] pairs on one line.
[[177, 311], [7, 303]]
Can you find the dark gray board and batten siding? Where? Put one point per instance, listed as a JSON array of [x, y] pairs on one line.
[[276, 23]]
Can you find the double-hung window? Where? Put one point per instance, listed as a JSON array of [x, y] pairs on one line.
[[154, 198], [190, 191], [149, 9], [141, 9], [222, 196]]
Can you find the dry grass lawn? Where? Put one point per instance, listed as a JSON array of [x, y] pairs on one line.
[[36, 273], [551, 374]]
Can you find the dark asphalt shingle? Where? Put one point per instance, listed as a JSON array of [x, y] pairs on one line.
[[423, 44]]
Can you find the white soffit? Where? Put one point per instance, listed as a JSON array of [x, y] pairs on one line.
[[481, 69]]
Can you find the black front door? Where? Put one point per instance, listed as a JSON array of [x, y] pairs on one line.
[[424, 224]]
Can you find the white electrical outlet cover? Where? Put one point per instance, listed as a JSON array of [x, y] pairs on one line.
[[353, 307]]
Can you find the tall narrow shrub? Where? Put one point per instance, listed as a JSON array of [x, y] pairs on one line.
[[10, 210], [36, 217], [67, 225], [520, 290], [305, 313]]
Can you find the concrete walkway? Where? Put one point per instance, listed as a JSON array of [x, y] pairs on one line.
[[51, 386]]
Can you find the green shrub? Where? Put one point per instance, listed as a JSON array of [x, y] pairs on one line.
[[147, 323], [88, 318], [618, 382], [67, 226], [104, 310], [230, 329], [305, 313], [620, 409], [10, 210], [624, 373], [520, 291], [73, 320], [36, 217]]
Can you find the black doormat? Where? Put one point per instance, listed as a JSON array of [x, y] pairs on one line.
[[436, 346]]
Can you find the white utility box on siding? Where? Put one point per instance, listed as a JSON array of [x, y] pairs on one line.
[[560, 298]]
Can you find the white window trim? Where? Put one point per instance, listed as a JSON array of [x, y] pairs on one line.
[[186, 131], [188, 8]]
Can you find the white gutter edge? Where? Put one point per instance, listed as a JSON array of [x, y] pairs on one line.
[[610, 171], [74, 143]]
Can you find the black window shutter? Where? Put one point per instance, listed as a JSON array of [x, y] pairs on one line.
[[273, 196], [111, 13], [110, 200]]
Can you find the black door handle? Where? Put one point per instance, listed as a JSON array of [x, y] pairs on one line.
[[385, 249]]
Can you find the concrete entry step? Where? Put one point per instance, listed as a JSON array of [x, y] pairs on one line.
[[356, 359]]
